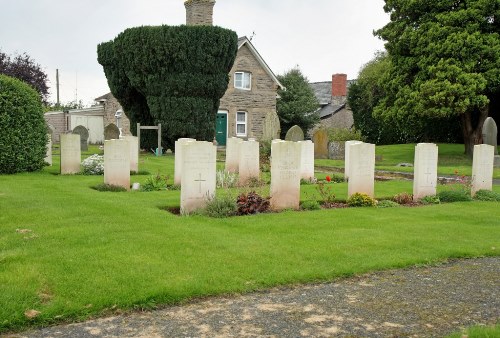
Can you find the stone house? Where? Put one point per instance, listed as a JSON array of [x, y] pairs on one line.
[[332, 96]]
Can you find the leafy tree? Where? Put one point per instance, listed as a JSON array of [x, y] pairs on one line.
[[297, 103], [24, 68], [23, 139], [173, 75], [446, 58]]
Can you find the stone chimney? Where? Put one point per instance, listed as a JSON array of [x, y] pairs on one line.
[[199, 12]]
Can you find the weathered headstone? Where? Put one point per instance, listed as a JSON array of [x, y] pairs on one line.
[[482, 168], [320, 139], [134, 152], [271, 128], [336, 150], [233, 154], [347, 157], [490, 134], [361, 169], [294, 134], [84, 137], [249, 166], [117, 163], [285, 175], [111, 132], [70, 153], [198, 180], [307, 160], [48, 153], [425, 170], [178, 158]]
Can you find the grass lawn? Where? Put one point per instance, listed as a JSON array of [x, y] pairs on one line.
[[71, 252]]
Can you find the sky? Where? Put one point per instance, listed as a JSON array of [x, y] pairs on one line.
[[321, 37]]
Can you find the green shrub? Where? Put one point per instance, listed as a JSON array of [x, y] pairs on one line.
[[403, 198], [326, 192], [431, 199], [155, 183], [221, 206], [454, 196], [487, 195], [108, 187], [252, 203], [23, 131], [361, 200], [343, 134], [310, 205], [387, 204]]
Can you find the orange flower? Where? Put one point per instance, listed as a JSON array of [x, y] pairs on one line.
[[328, 178]]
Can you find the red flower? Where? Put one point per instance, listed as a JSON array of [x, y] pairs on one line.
[[328, 178]]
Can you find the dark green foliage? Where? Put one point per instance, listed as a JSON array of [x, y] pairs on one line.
[[297, 104], [344, 134], [221, 206], [361, 200], [310, 205], [387, 204], [170, 75], [487, 195], [431, 199], [108, 187], [454, 196], [23, 136], [155, 183], [252, 203]]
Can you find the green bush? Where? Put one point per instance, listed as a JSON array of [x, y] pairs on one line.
[[108, 187], [310, 205], [454, 196], [343, 134], [221, 206], [361, 200], [487, 195], [431, 199], [387, 204], [155, 183], [23, 132]]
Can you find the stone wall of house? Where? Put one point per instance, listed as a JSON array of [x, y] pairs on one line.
[[58, 121], [342, 119], [256, 102]]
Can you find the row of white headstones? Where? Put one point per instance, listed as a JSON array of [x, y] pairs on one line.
[[195, 167]]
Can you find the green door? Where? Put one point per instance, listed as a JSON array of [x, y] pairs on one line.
[[221, 129]]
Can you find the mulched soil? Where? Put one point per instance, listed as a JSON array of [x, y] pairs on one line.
[[428, 301]]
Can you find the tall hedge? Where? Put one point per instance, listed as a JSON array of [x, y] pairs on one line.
[[23, 136], [173, 75]]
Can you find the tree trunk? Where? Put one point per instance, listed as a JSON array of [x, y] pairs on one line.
[[472, 134]]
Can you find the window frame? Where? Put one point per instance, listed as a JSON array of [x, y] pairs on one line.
[[243, 87], [239, 123]]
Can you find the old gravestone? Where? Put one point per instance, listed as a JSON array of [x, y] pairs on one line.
[[347, 151], [70, 153], [490, 133], [84, 137], [111, 132], [320, 139], [294, 134], [233, 154], [362, 169], [178, 158], [249, 165], [285, 175], [48, 153], [425, 170], [198, 180], [482, 168], [271, 128], [307, 160], [117, 163], [133, 144]]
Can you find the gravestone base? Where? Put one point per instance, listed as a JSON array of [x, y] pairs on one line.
[[496, 161]]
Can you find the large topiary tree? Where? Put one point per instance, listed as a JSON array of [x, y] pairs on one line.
[[23, 136], [173, 75]]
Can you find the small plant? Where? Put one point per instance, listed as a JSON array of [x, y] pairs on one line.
[[312, 180], [463, 182], [252, 203], [226, 179], [310, 205], [387, 204], [155, 183], [326, 192], [431, 199], [221, 206], [265, 155], [361, 200], [93, 165], [454, 196], [108, 187], [487, 195], [344, 134], [254, 182], [403, 198], [336, 178]]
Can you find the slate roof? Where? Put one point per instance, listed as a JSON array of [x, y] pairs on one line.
[[323, 92]]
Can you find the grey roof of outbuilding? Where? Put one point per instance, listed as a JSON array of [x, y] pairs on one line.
[[322, 91]]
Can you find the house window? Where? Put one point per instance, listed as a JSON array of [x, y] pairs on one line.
[[243, 80], [241, 123]]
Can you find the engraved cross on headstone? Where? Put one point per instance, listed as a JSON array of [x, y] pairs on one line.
[[199, 180]]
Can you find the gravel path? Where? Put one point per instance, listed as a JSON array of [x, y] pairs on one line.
[[417, 302]]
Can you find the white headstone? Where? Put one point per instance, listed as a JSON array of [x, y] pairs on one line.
[[117, 163], [48, 154], [70, 153], [347, 157], [425, 170], [233, 154], [307, 160], [134, 152], [482, 168], [249, 161], [198, 179], [285, 175], [361, 169], [178, 158]]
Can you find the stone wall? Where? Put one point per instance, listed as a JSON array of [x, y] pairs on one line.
[[111, 105], [199, 12], [342, 119], [256, 102], [56, 120]]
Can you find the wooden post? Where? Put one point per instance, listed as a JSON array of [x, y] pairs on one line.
[[139, 136], [160, 152]]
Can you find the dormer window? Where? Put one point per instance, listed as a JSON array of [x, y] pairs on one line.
[[243, 80]]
